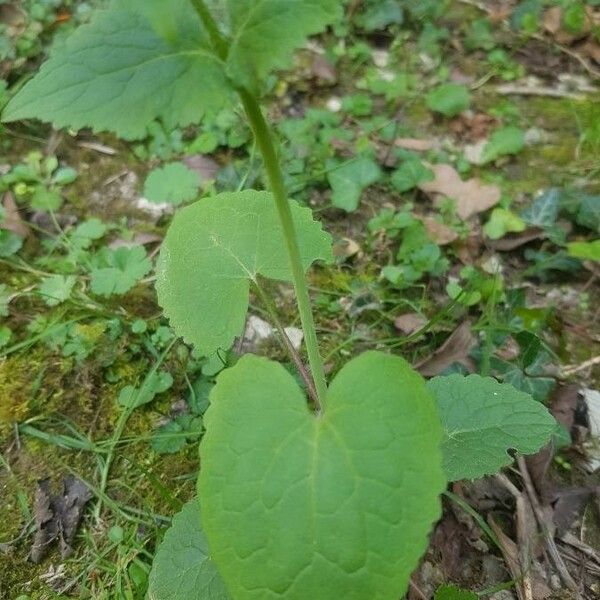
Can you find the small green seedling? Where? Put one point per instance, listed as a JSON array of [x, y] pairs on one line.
[[327, 497]]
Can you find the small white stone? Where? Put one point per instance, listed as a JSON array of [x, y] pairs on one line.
[[381, 58], [153, 209], [296, 336], [334, 104]]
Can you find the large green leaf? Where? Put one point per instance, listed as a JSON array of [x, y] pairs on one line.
[[128, 66], [214, 249], [300, 506], [182, 569], [141, 60], [482, 420], [264, 33]]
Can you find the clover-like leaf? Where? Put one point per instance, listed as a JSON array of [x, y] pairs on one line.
[[119, 270], [124, 69], [214, 249], [482, 420], [332, 506], [182, 569], [174, 183], [57, 289]]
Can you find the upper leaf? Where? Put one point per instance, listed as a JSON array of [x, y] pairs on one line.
[[126, 68], [264, 33], [297, 506], [141, 60], [214, 249], [182, 569], [482, 420]]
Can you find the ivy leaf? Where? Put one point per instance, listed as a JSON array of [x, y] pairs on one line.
[[120, 72], [214, 249], [544, 210], [588, 214], [265, 33], [182, 568], [56, 289], [449, 99], [350, 180], [345, 500], [119, 270], [174, 183], [482, 420]]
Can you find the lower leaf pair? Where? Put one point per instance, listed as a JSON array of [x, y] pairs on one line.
[[299, 505]]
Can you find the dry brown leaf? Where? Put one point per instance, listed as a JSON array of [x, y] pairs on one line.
[[139, 239], [57, 517], [591, 49], [322, 69], [454, 350], [471, 196], [415, 144], [347, 248], [552, 20], [439, 233], [511, 241], [205, 166], [12, 219], [410, 322]]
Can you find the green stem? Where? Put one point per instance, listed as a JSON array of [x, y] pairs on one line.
[[271, 163], [265, 143], [218, 41]]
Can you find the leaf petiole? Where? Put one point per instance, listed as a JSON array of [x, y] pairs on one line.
[[264, 139]]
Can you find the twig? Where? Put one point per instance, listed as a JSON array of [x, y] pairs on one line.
[[524, 90], [572, 369], [518, 562], [539, 515], [417, 590]]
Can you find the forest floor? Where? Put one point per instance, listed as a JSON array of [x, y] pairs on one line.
[[453, 149]]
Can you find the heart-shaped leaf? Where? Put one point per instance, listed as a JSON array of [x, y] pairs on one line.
[[214, 249], [182, 569], [482, 420], [333, 506]]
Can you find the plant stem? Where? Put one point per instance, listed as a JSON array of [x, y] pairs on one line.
[[287, 344], [271, 163], [218, 41], [264, 140]]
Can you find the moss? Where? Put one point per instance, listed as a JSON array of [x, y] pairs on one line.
[[17, 377]]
